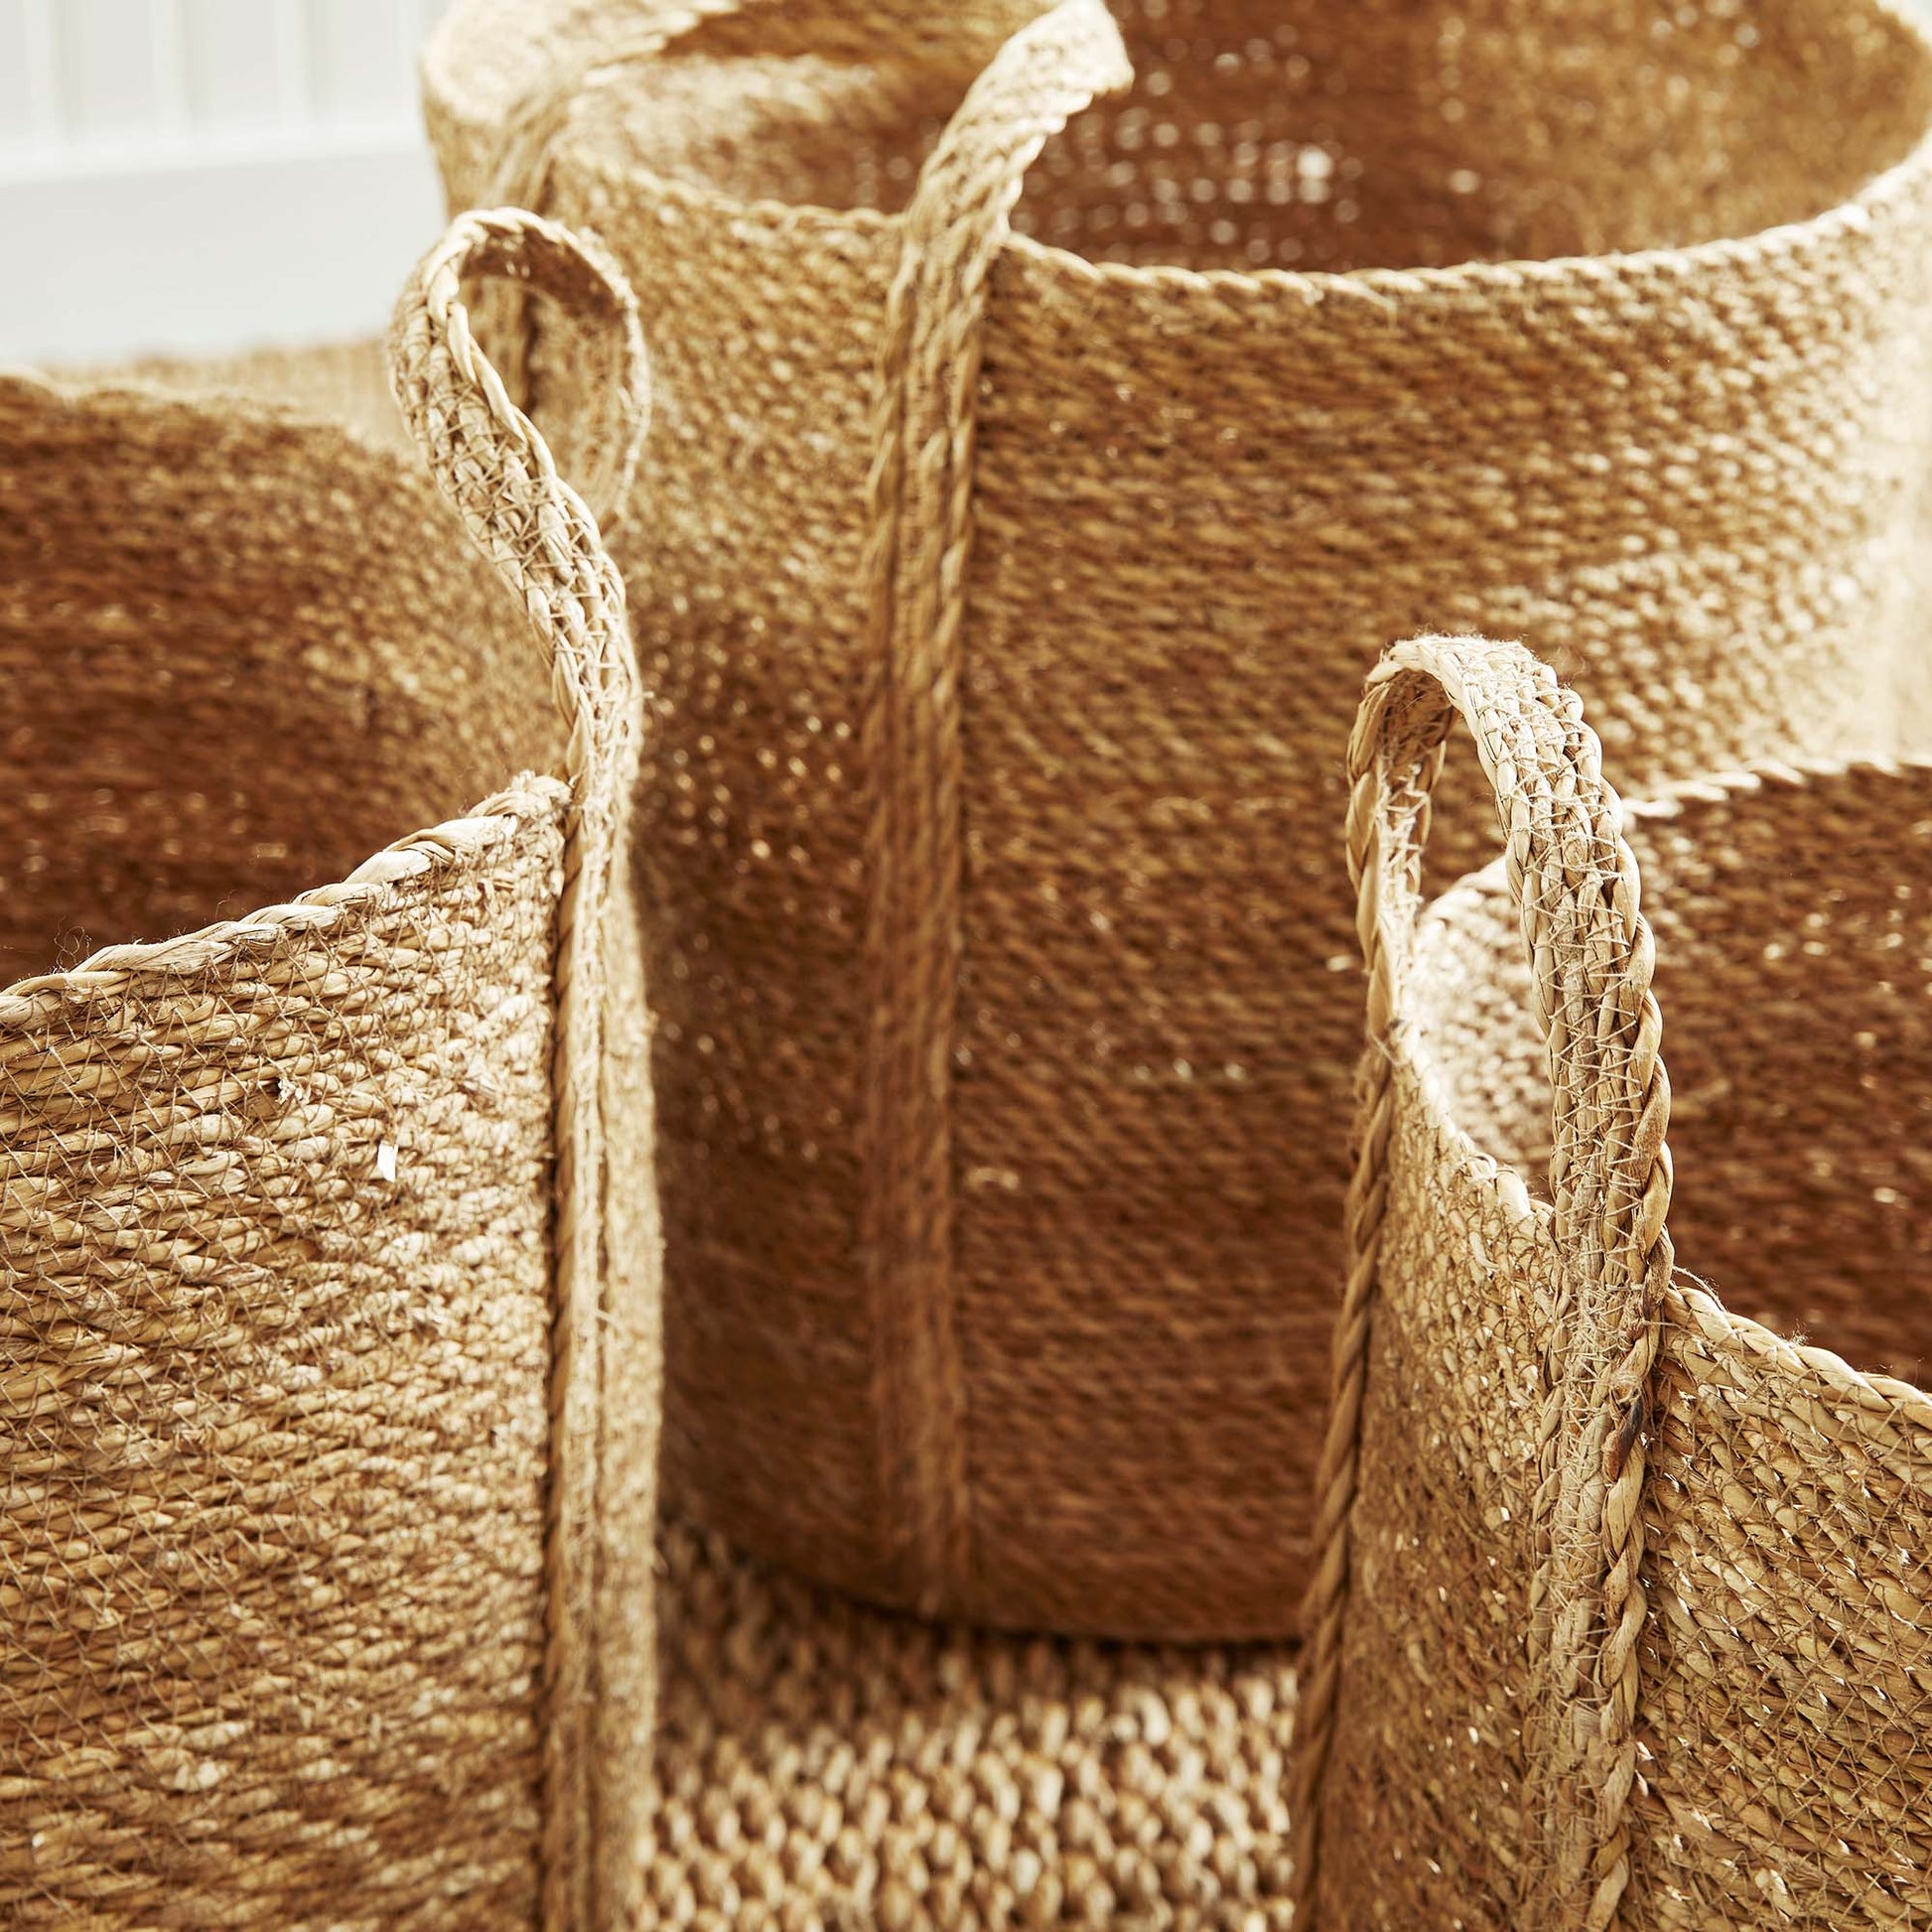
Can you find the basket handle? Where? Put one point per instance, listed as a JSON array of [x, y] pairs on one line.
[[1575, 882], [542, 538], [919, 526], [494, 465]]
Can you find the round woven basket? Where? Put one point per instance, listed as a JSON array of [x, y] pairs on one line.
[[1625, 1612], [326, 1384], [1050, 436]]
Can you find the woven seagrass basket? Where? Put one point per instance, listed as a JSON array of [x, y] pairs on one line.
[[1625, 1612], [328, 1385], [1034, 483]]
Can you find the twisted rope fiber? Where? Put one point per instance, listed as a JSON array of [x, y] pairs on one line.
[[919, 527], [1574, 881], [538, 531]]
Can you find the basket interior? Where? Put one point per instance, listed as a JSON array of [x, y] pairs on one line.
[[1305, 135], [1794, 971], [238, 655]]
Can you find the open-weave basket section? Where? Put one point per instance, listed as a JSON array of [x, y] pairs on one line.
[[1024, 519], [328, 1388], [1626, 1606]]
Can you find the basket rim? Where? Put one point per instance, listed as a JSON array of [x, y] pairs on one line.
[[79, 388], [436, 849], [447, 843], [1717, 256], [1691, 1304]]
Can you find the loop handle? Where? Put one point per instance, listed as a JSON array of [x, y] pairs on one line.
[[1576, 885], [498, 471]]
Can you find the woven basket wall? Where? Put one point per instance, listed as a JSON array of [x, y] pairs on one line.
[[346, 382], [328, 1385], [1013, 584], [1627, 1609]]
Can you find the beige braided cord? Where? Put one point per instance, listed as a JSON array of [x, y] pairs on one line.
[[1574, 881], [543, 538], [918, 532]]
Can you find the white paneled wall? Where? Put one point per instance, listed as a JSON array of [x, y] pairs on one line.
[[202, 175], [190, 174]]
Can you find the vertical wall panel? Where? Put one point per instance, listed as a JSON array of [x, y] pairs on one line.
[[110, 54], [79, 73], [364, 58], [232, 62], [26, 99]]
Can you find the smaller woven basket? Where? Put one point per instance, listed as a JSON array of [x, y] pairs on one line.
[[1624, 1612], [326, 1384]]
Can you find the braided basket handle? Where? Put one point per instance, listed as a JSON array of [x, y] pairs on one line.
[[1574, 882], [491, 463], [918, 494], [918, 504]]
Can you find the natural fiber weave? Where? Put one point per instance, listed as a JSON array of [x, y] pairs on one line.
[[1625, 1610], [830, 1769], [310, 1313], [1012, 592], [346, 382]]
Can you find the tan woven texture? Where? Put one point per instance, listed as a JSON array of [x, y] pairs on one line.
[[1014, 577], [831, 1768], [1623, 1612], [346, 382], [821, 1767], [327, 1391]]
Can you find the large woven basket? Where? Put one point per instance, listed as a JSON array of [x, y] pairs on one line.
[[326, 1384], [1625, 1612], [1013, 580]]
